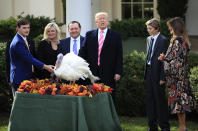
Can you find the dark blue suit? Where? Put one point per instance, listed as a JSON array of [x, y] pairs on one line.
[[21, 61], [157, 105], [111, 57], [64, 46]]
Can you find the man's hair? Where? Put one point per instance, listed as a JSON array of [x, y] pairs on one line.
[[22, 21], [154, 23], [73, 22], [101, 13]]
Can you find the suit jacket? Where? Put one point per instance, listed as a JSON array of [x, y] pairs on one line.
[[157, 68], [111, 57], [64, 46], [7, 55], [21, 61]]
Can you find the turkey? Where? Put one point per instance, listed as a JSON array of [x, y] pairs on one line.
[[72, 67]]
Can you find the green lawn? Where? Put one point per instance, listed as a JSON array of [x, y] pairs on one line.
[[140, 124], [134, 43], [4, 121], [127, 124]]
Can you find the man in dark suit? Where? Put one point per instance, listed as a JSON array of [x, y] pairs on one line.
[[103, 51], [157, 105], [21, 59], [74, 42]]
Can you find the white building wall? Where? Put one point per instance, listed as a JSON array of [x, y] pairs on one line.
[[42, 8], [192, 17], [5, 9], [14, 8], [76, 10]]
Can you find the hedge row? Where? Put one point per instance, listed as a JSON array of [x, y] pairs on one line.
[[8, 26], [136, 27]]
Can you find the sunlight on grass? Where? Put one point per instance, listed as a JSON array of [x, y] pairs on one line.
[[140, 124], [3, 128], [127, 124]]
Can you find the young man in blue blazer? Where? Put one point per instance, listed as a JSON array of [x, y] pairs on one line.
[[21, 59]]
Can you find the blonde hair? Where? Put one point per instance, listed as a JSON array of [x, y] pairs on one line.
[[101, 13], [47, 27], [179, 29], [154, 23]]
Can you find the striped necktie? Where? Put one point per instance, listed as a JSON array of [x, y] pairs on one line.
[[100, 44], [150, 50]]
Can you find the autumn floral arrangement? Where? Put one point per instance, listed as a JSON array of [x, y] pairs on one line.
[[45, 86]]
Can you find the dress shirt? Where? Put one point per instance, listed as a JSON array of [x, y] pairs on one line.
[[72, 43], [104, 33]]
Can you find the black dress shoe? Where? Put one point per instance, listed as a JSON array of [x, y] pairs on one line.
[[155, 129]]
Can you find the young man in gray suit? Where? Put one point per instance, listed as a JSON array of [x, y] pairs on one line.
[[157, 105]]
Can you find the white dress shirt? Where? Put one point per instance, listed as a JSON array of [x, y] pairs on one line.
[[104, 33]]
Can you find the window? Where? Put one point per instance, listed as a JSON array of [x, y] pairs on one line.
[[137, 9]]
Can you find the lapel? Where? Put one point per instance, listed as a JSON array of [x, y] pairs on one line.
[[95, 40], [156, 43], [67, 45], [22, 41], [81, 41]]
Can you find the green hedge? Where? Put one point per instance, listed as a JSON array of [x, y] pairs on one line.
[[5, 90], [136, 27], [194, 78], [131, 87], [194, 82], [8, 26]]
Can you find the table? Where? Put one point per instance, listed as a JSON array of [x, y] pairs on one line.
[[35, 112]]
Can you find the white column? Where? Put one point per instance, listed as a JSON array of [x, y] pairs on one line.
[[79, 10]]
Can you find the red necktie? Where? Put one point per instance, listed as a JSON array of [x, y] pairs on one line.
[[100, 43]]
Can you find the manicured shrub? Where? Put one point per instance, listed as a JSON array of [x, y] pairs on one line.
[[194, 82], [193, 60], [131, 88], [136, 27], [8, 26], [5, 89]]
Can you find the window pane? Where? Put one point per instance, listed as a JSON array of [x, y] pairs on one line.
[[137, 0], [126, 11], [126, 0], [137, 11], [148, 0], [148, 10]]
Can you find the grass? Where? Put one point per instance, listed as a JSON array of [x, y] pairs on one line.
[[134, 43], [4, 119], [127, 123], [140, 124]]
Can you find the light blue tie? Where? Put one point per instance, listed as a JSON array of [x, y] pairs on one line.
[[75, 47]]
